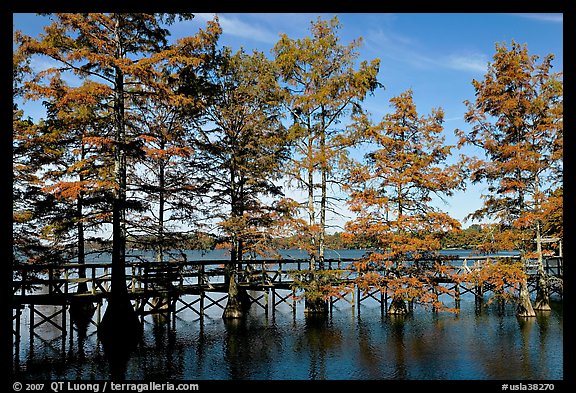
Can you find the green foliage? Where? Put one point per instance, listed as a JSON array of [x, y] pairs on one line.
[[320, 285]]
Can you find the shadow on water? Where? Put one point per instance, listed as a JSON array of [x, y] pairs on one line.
[[317, 341], [251, 347], [234, 342], [398, 329], [120, 333]]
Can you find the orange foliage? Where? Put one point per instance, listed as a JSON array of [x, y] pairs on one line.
[[502, 277]]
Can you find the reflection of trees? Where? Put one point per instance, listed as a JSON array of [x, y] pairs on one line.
[[546, 349], [165, 359], [369, 358], [81, 329], [318, 339], [504, 346], [398, 325], [421, 346], [488, 345], [527, 327], [250, 350]]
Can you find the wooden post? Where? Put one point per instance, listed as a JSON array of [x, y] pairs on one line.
[[457, 295], [279, 271], [200, 279], [106, 282], [479, 294], [93, 280], [359, 299], [50, 280], [17, 332], [201, 304], [66, 281], [64, 330], [294, 303], [31, 307], [24, 279], [386, 299]]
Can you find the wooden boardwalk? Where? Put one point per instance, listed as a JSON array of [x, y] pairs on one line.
[[198, 285]]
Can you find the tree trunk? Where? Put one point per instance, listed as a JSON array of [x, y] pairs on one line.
[[161, 207], [82, 286], [542, 302], [120, 323], [81, 310], [311, 212], [397, 306], [238, 301], [315, 306], [234, 306], [324, 175], [525, 308]]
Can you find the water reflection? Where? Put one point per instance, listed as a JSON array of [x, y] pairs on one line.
[[318, 339], [369, 355], [489, 343]]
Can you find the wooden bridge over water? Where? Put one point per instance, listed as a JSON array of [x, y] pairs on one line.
[[173, 287]]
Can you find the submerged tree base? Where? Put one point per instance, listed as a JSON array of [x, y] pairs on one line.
[[542, 302], [81, 311], [525, 308], [315, 307], [238, 302], [398, 307], [233, 310], [120, 328], [542, 306]]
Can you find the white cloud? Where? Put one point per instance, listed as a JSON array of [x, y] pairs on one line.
[[405, 50], [554, 18], [454, 118], [468, 62], [242, 29], [397, 47]]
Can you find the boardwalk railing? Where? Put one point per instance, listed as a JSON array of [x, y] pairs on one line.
[[50, 290], [45, 281], [47, 284]]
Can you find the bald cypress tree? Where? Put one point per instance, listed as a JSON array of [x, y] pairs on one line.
[[322, 83], [517, 120], [392, 194], [241, 148], [117, 52]]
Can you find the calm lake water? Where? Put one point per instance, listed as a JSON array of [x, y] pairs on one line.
[[351, 343]]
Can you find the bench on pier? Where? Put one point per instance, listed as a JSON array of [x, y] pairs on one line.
[[160, 277]]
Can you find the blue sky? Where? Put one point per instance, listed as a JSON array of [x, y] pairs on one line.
[[437, 55]]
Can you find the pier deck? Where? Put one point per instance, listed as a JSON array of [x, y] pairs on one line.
[[198, 285]]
